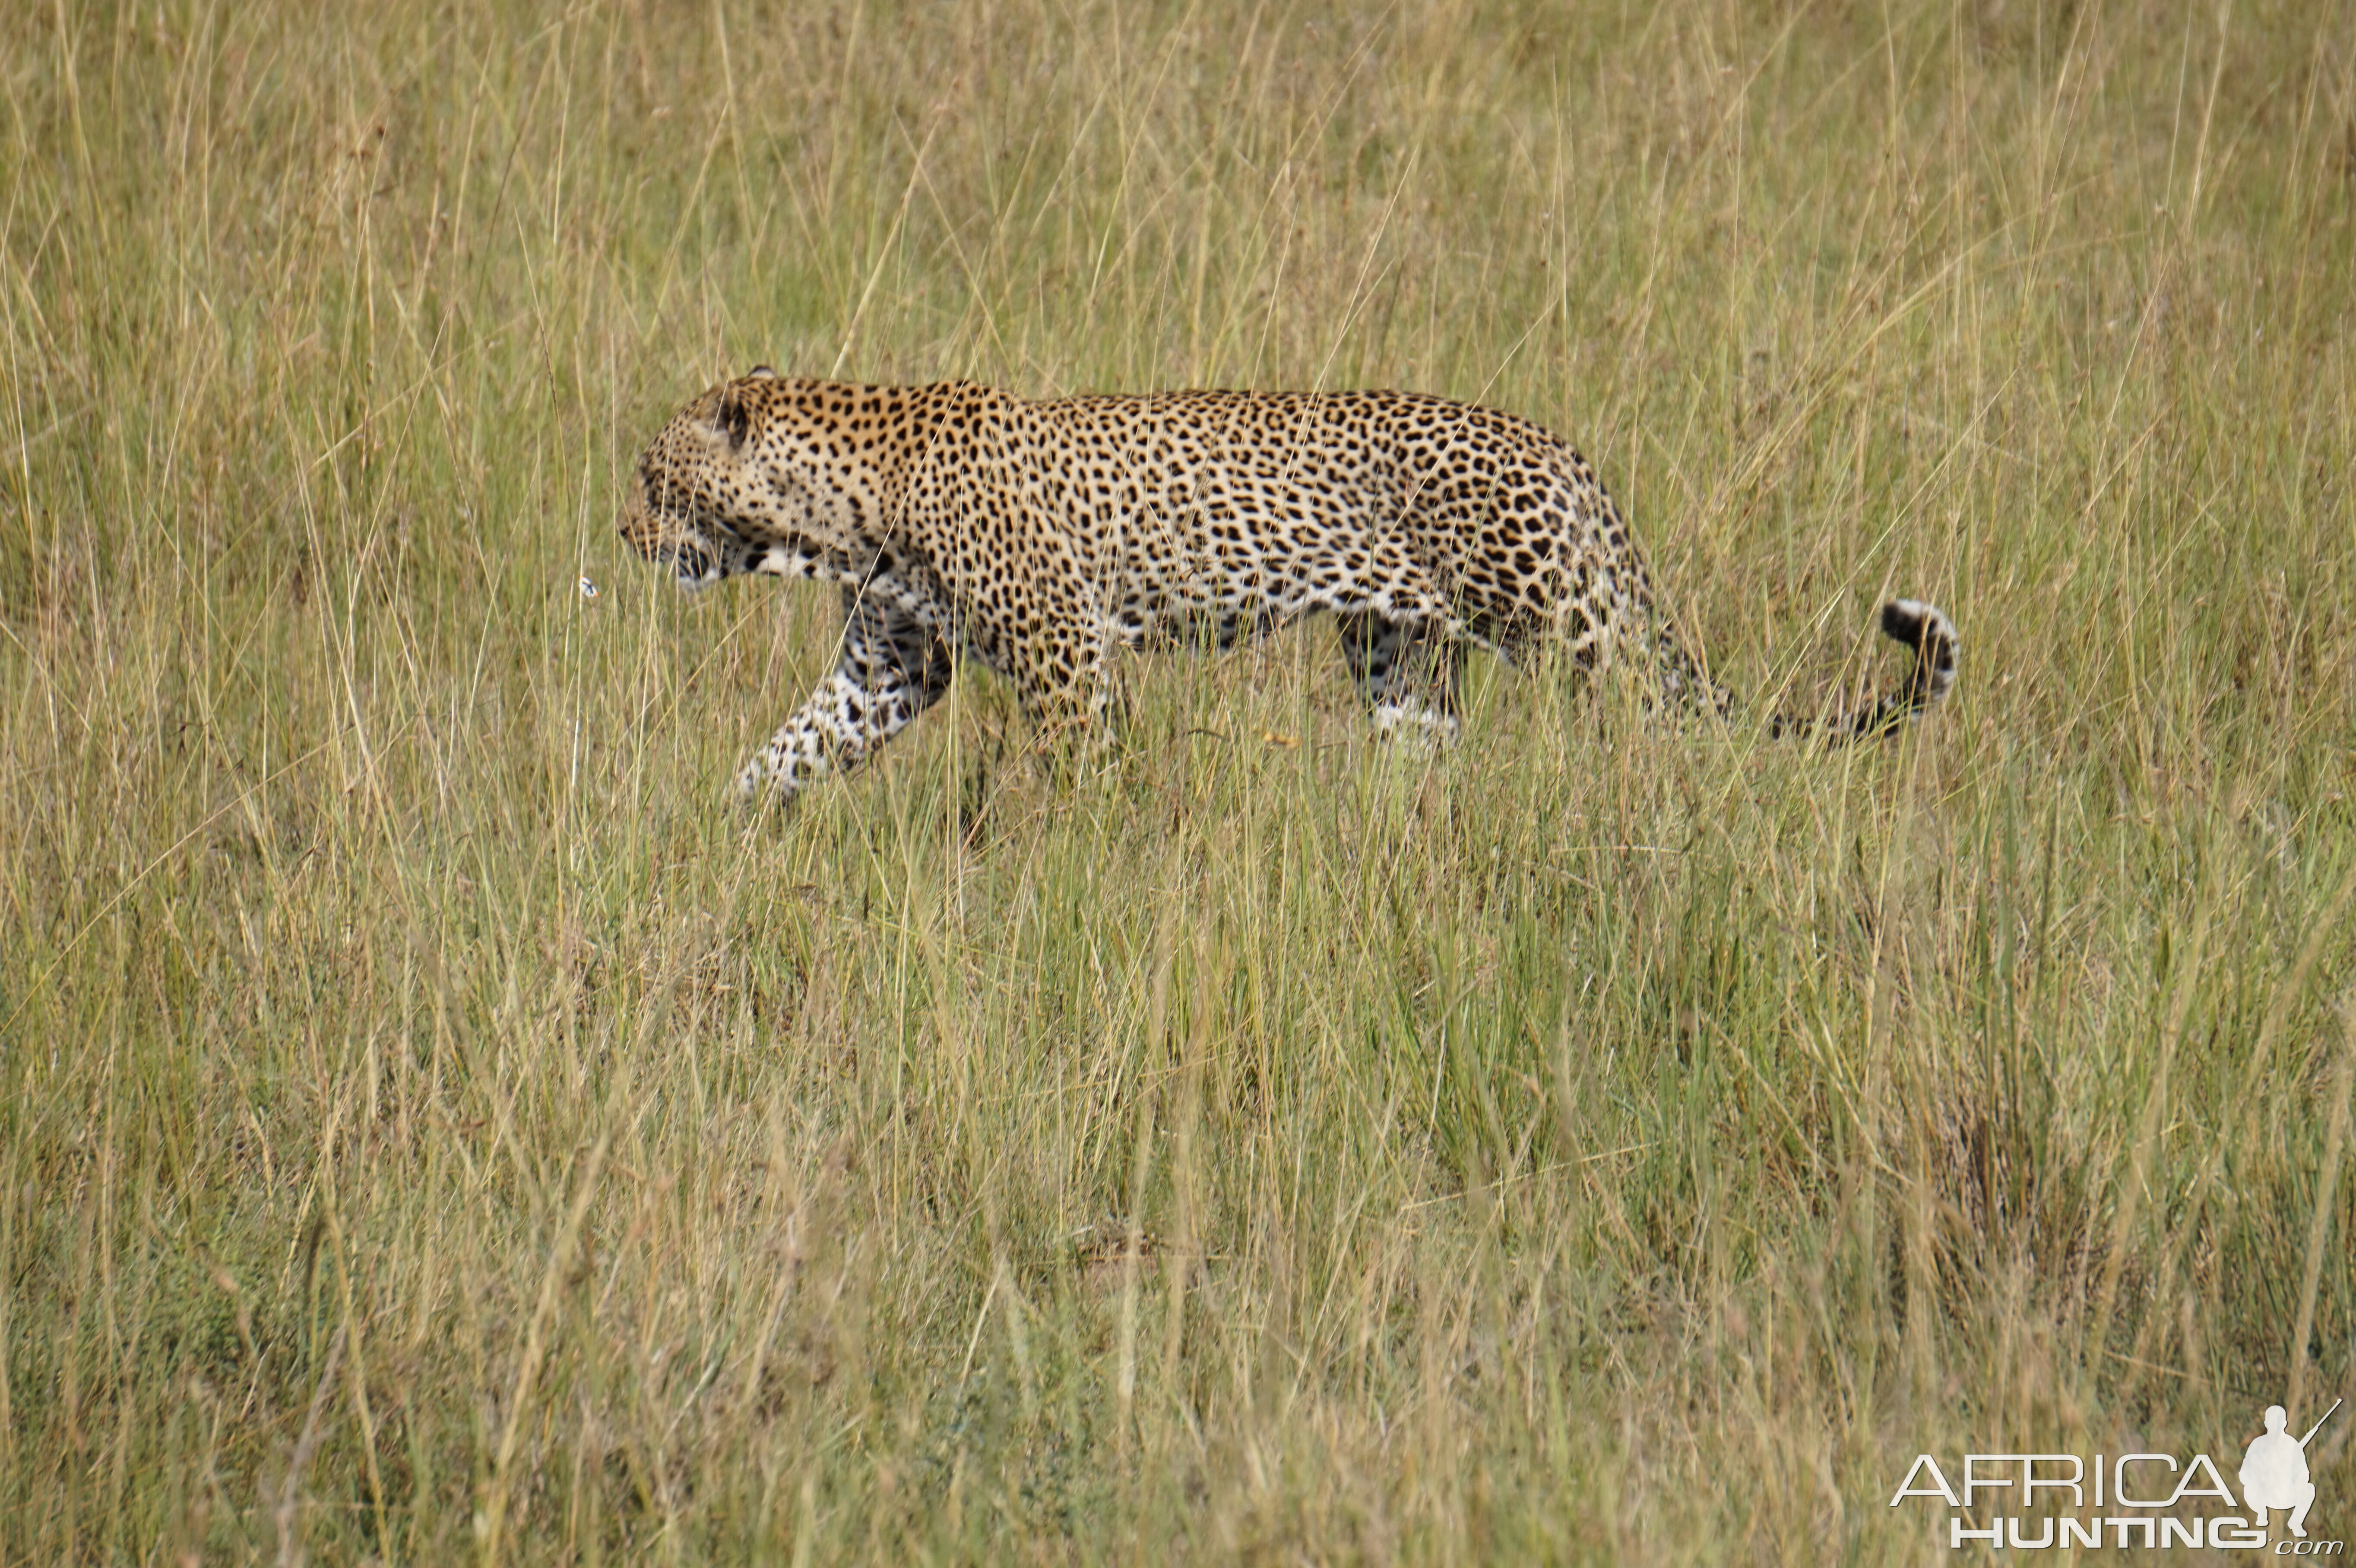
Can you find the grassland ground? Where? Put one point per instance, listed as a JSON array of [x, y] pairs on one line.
[[432, 1124]]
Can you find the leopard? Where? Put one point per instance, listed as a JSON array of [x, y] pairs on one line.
[[1043, 538]]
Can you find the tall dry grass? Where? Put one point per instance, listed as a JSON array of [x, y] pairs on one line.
[[436, 1126]]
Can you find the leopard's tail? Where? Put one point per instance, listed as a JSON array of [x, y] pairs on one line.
[[1922, 627]]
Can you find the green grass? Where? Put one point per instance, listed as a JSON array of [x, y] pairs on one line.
[[431, 1125]]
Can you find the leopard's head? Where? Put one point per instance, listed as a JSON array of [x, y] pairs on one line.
[[752, 476]]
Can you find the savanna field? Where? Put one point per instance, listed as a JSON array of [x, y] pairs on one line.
[[436, 1125]]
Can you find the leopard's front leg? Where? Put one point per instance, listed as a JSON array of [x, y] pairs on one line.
[[894, 666]]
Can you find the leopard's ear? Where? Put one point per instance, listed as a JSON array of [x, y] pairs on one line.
[[761, 373], [733, 417]]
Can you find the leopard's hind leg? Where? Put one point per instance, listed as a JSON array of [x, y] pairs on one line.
[[1410, 672]]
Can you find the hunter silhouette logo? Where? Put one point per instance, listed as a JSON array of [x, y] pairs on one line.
[[2274, 1470]]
